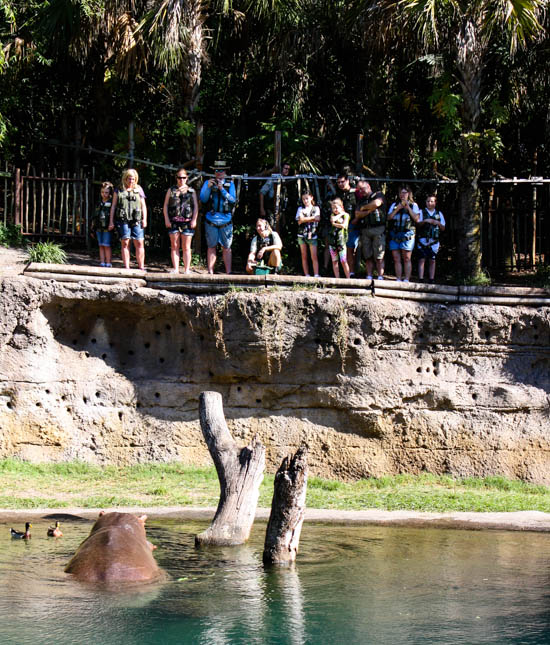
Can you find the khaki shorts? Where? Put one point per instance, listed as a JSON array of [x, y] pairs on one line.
[[373, 241]]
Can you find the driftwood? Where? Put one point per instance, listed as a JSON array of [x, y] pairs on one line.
[[287, 510], [240, 471]]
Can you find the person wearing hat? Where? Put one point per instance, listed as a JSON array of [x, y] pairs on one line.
[[221, 197]]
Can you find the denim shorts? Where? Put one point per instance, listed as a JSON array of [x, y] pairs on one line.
[[135, 231], [401, 243], [183, 228], [354, 234], [304, 240], [215, 235], [103, 238]]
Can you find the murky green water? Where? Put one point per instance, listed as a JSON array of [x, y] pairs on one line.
[[350, 585]]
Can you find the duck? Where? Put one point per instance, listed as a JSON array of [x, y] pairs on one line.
[[19, 535], [54, 531]]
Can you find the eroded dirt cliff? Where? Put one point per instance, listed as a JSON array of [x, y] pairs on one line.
[[372, 386]]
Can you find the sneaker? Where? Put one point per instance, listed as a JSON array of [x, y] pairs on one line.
[[173, 271], [398, 280], [108, 265], [431, 281], [102, 264], [352, 275], [380, 277], [316, 275], [369, 277], [405, 280]]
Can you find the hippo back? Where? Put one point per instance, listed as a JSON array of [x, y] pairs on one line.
[[116, 551]]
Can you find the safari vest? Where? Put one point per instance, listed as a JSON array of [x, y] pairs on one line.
[[180, 206], [128, 207], [101, 215], [349, 200], [309, 230], [430, 231], [402, 223], [377, 217], [218, 203], [262, 242]]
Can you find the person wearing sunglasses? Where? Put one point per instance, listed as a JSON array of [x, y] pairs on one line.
[[180, 209]]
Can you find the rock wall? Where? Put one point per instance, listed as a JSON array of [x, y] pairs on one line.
[[113, 374]]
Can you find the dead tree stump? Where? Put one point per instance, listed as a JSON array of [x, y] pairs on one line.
[[240, 471], [288, 509]]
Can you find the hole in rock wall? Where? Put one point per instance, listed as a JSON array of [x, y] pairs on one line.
[[138, 341]]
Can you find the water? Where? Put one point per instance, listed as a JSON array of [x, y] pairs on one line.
[[350, 585]]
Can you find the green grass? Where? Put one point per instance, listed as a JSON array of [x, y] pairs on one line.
[[75, 484], [47, 252]]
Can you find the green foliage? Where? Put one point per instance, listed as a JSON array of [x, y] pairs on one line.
[[47, 253], [481, 279], [10, 235], [185, 128], [542, 275]]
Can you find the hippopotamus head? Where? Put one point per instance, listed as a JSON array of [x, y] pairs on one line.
[[116, 551]]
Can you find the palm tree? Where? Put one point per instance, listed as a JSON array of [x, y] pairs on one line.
[[463, 31]]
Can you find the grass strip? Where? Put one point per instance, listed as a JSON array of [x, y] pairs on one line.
[[76, 484]]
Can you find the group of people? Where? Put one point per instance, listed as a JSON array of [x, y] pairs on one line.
[[351, 219]]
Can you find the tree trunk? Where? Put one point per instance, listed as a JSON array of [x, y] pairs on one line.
[[469, 214], [470, 53], [240, 471], [287, 510]]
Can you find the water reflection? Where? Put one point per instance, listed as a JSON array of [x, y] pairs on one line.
[[349, 585]]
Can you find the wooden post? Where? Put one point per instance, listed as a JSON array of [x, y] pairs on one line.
[[359, 155], [490, 218], [277, 150], [199, 162], [199, 147], [240, 471], [534, 215], [288, 509], [17, 197]]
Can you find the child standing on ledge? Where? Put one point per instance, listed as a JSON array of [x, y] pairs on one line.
[[338, 235], [100, 224]]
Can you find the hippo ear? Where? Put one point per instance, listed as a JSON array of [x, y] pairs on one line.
[[142, 518], [101, 513]]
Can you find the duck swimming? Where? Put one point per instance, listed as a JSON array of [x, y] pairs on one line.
[[54, 531], [19, 535]]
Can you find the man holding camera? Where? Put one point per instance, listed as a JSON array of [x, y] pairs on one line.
[[221, 197]]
